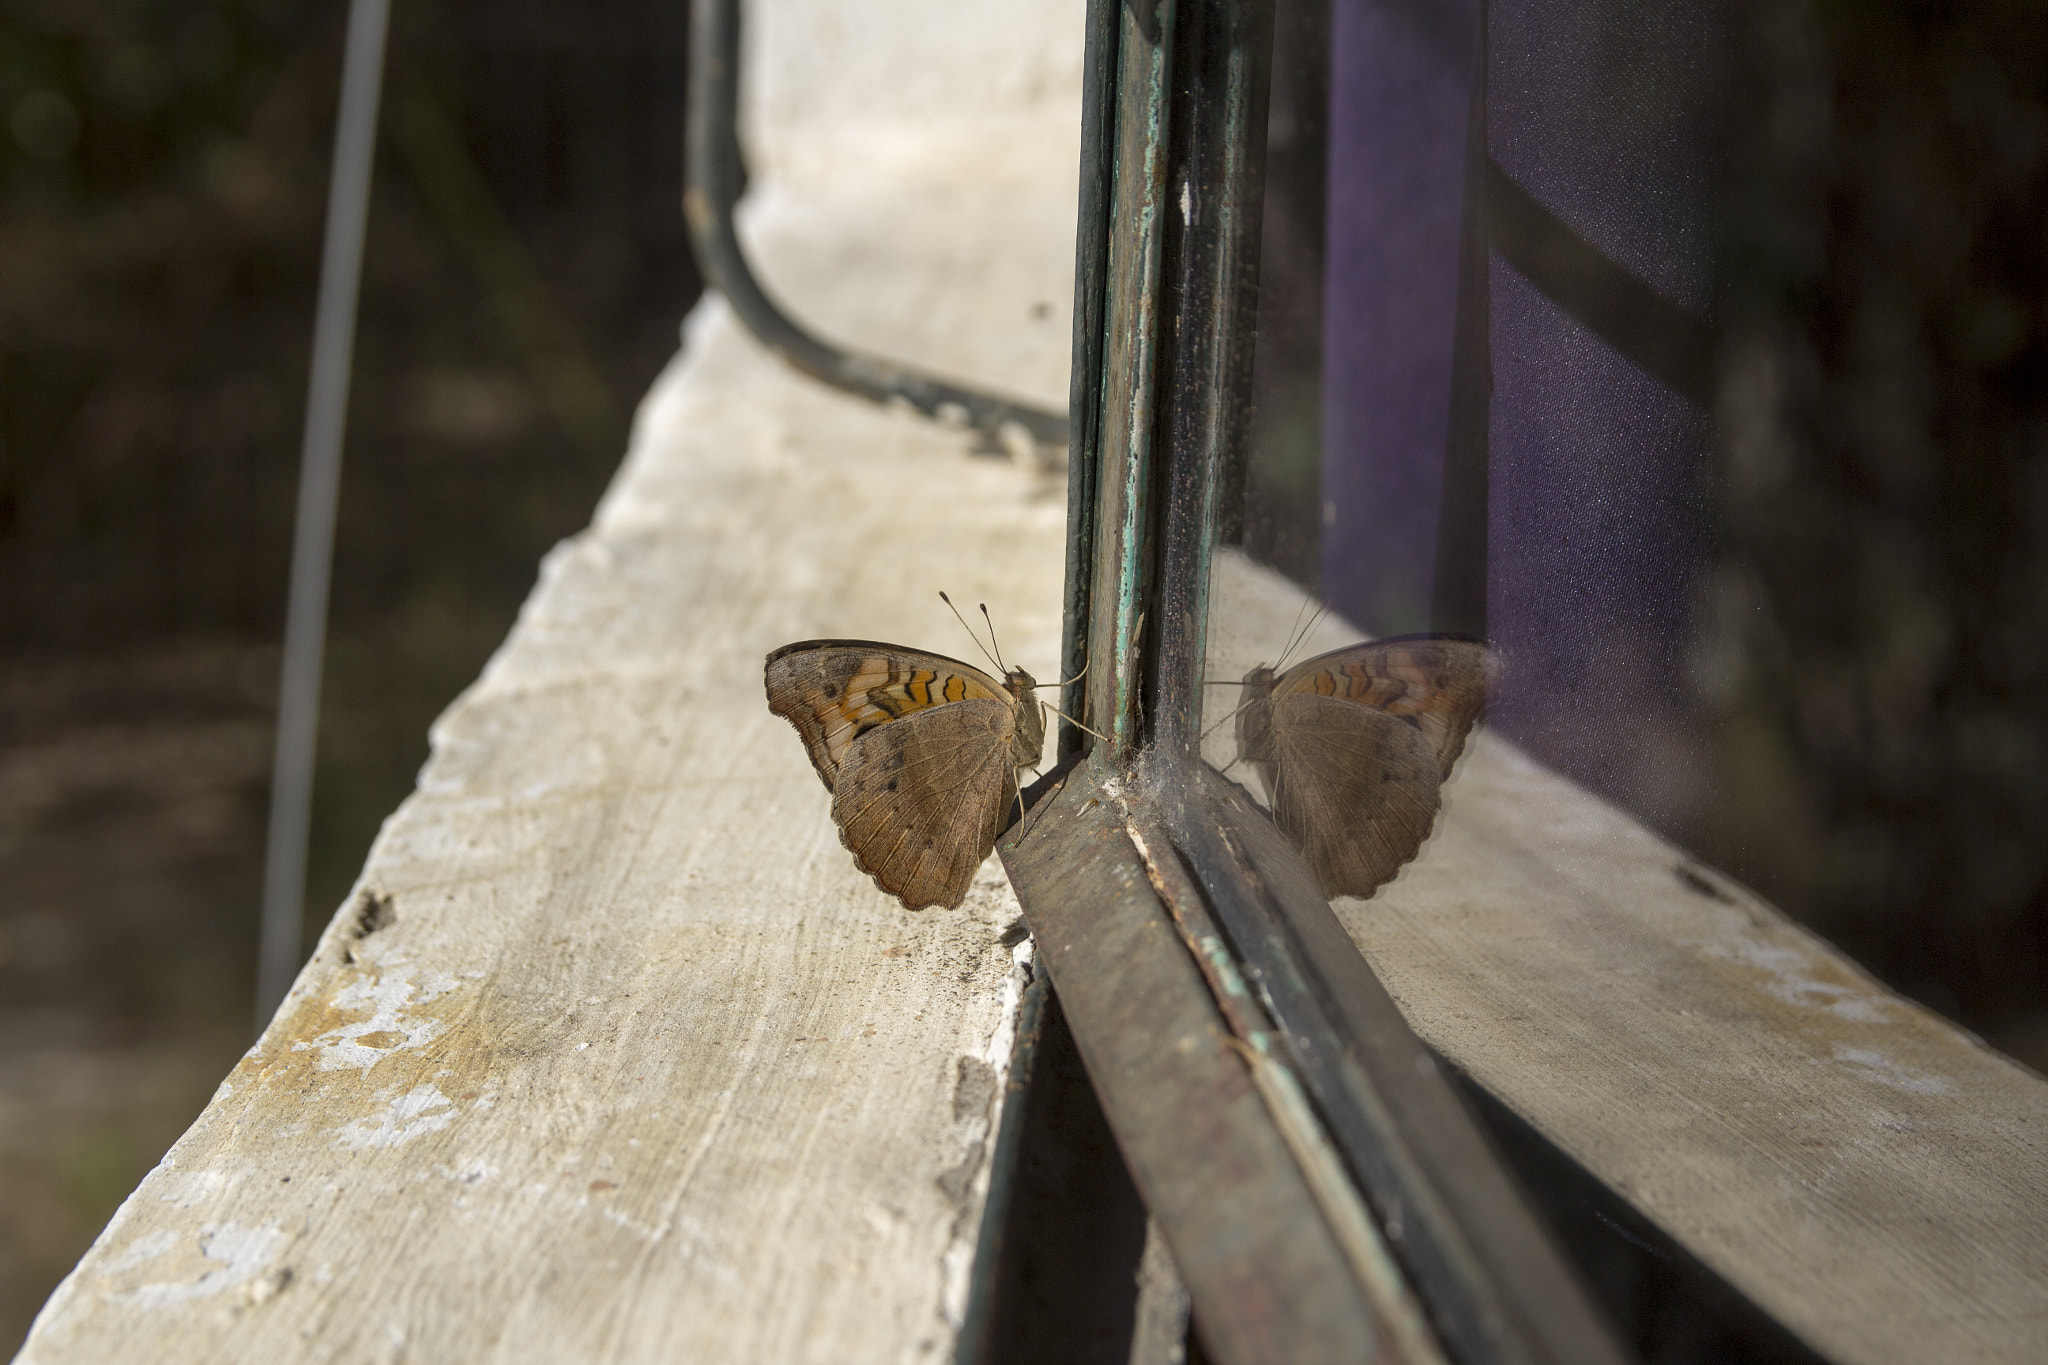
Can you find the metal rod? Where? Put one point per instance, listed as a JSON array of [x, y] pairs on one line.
[[713, 178], [1211, 287], [305, 631], [1345, 1075], [1084, 395], [1458, 601], [1498, 1290], [1267, 1277], [1122, 578], [1340, 1201]]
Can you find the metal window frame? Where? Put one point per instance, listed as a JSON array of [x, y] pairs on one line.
[[1324, 1192]]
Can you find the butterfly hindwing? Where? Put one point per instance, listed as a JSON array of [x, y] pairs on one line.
[[1353, 747], [919, 801], [1356, 789]]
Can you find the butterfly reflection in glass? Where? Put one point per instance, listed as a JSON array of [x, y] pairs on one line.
[[1354, 747], [920, 753]]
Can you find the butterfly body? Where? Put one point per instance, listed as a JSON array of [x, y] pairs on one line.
[[920, 753], [1354, 746]]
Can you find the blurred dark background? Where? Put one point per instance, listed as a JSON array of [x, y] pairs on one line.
[[1880, 698], [163, 181], [1882, 484]]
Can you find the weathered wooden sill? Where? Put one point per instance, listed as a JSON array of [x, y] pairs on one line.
[[612, 1055]]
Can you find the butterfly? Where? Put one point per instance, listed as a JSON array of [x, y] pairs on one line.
[[1354, 747], [920, 753]]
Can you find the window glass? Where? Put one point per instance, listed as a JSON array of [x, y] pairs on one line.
[[1486, 278]]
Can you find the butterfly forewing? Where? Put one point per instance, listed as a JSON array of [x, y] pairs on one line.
[[1437, 683], [834, 691], [919, 751]]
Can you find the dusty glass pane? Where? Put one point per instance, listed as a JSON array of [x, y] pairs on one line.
[[1479, 384]]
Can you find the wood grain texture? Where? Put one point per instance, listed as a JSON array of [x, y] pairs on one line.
[[1873, 1176], [615, 1055]]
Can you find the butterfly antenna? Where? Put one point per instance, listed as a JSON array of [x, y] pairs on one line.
[[1071, 721], [1300, 635], [1293, 632], [992, 636], [1225, 720], [970, 630]]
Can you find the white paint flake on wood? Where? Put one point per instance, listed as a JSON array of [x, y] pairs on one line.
[[614, 1055]]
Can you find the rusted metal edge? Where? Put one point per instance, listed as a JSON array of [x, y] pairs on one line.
[[1268, 1278], [975, 1319], [1125, 527], [1496, 1286], [1220, 84], [1085, 380], [1265, 1053]]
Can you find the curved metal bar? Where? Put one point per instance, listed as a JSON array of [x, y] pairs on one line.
[[1666, 340], [713, 180]]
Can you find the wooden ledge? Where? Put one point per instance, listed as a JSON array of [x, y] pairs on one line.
[[612, 1054]]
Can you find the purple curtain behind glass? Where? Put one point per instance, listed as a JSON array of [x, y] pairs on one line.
[[1597, 517], [1400, 98]]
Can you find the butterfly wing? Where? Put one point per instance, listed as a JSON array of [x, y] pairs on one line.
[[1359, 742], [1357, 790], [835, 691], [919, 751], [919, 801], [1436, 683]]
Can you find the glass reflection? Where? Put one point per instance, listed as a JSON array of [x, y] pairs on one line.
[[1348, 742], [1477, 392]]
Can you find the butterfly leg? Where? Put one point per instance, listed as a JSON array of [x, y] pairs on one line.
[[1022, 813]]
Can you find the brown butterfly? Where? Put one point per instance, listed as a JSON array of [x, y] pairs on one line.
[[1354, 746], [920, 753]]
